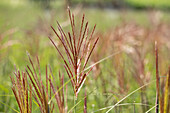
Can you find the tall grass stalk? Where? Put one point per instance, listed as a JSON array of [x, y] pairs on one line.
[[134, 108], [157, 79]]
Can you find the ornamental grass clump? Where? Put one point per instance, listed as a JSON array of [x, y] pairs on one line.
[[78, 49], [24, 89]]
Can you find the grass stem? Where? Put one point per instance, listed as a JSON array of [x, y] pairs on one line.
[[75, 102]]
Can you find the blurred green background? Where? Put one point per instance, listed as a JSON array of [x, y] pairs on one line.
[[122, 25]]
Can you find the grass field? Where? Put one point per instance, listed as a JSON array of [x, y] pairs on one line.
[[124, 58]]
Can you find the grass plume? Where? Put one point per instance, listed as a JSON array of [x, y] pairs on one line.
[[78, 50]]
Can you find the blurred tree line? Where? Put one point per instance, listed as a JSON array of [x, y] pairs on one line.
[[94, 3], [44, 3], [137, 4], [98, 3]]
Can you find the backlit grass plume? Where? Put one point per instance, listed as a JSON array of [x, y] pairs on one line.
[[78, 49]]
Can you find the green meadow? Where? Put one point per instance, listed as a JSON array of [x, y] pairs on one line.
[[126, 72]]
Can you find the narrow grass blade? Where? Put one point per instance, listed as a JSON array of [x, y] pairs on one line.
[[150, 109], [129, 95], [124, 104], [10, 107], [167, 92]]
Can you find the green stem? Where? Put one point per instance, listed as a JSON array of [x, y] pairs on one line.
[[75, 102], [134, 108]]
